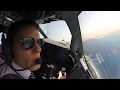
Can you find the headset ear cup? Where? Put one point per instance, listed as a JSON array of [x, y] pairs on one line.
[[5, 47]]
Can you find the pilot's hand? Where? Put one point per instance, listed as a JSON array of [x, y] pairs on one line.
[[62, 75]]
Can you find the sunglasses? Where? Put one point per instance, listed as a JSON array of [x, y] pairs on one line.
[[29, 42]]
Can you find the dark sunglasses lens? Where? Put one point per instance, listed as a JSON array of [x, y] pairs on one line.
[[28, 43], [40, 42]]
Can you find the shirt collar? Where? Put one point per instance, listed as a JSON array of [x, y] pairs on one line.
[[25, 73]]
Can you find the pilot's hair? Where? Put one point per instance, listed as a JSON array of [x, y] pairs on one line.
[[14, 28]]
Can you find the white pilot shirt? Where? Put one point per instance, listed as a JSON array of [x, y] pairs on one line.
[[5, 69]]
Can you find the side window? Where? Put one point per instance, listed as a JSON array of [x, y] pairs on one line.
[[0, 37], [0, 43], [100, 32]]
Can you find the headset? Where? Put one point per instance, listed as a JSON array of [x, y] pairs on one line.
[[7, 52]]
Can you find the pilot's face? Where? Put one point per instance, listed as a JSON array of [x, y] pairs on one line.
[[27, 57]]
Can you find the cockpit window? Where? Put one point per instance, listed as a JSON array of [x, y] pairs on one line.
[[58, 31], [100, 32], [0, 37]]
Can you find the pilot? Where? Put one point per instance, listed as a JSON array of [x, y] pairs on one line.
[[21, 48]]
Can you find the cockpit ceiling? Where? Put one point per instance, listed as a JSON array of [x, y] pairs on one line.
[[7, 17]]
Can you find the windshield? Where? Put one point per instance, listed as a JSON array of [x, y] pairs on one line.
[[58, 31], [100, 32]]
